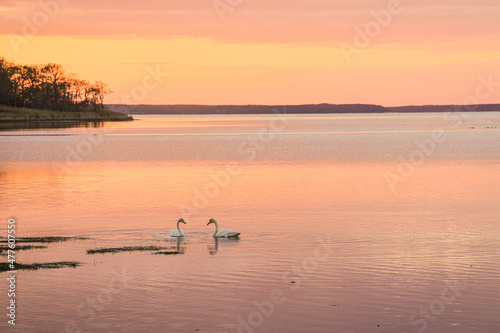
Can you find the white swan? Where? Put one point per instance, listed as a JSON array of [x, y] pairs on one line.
[[177, 232], [228, 233]]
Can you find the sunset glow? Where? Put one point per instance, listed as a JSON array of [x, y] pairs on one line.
[[263, 52], [348, 150]]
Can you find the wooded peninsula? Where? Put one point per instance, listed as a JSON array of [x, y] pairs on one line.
[[47, 92]]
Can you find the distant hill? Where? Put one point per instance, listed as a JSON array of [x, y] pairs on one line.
[[445, 108], [246, 109], [291, 109]]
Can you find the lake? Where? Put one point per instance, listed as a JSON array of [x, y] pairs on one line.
[[349, 223]]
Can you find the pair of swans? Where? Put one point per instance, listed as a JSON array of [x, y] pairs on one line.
[[227, 233]]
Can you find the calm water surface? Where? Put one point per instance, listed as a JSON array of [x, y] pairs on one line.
[[349, 223]]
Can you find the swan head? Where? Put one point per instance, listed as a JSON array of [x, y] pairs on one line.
[[211, 221], [181, 220]]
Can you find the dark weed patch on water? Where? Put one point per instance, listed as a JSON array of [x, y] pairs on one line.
[[4, 267], [126, 249], [50, 239], [167, 252], [4, 248]]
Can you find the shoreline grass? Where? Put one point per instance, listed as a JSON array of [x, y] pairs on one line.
[[126, 249], [4, 267], [49, 239], [11, 114]]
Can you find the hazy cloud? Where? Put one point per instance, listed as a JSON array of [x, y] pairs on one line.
[[258, 20]]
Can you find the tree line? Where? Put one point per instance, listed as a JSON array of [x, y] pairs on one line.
[[48, 87]]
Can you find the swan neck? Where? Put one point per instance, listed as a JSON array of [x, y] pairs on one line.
[[216, 229], [178, 227]]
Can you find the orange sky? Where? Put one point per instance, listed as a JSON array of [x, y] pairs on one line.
[[390, 52]]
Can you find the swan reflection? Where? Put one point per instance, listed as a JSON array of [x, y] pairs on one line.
[[214, 248]]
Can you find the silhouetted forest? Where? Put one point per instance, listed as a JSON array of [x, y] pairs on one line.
[[48, 87]]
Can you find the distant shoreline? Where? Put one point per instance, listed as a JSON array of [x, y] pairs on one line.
[[25, 115], [118, 112], [186, 109]]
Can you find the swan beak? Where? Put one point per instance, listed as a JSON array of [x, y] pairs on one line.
[[209, 222]]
